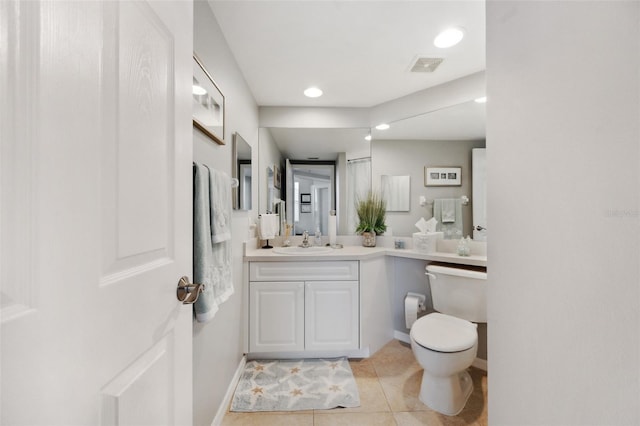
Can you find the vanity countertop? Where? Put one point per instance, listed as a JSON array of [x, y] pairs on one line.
[[362, 253]]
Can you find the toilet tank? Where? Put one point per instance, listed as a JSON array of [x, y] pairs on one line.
[[459, 291]]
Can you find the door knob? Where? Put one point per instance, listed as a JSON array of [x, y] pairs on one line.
[[188, 292]]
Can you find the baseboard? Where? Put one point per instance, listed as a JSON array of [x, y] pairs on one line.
[[224, 405], [404, 337], [352, 353], [480, 363]]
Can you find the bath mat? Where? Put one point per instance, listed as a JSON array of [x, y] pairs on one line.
[[291, 385]]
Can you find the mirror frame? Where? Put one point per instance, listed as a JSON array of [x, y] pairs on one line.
[[203, 77], [237, 143]]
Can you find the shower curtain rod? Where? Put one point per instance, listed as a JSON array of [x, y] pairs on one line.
[[359, 159]]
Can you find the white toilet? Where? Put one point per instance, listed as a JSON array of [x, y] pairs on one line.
[[445, 343]]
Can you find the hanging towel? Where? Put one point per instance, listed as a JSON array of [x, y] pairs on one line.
[[448, 210], [452, 230], [220, 198], [211, 261]]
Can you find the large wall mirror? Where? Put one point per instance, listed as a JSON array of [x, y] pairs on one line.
[[241, 171], [393, 161]]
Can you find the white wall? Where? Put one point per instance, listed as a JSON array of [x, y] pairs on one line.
[[563, 198], [401, 158], [217, 345]]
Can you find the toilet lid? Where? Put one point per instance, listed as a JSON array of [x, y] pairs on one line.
[[444, 333]]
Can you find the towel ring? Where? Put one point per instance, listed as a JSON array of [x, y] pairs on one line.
[[188, 293]]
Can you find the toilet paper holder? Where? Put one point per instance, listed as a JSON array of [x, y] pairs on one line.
[[421, 299]]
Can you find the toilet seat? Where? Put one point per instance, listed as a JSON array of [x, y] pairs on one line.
[[444, 333]]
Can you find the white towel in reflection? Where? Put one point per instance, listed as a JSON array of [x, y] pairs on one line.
[[269, 225], [448, 210], [451, 229]]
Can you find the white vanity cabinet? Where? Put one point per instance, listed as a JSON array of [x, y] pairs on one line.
[[303, 306]]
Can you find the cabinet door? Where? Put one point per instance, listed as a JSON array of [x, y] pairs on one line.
[[276, 312], [331, 315]]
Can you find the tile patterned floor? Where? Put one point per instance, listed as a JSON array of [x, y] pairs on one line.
[[389, 383]]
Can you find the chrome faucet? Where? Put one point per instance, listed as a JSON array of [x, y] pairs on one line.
[[305, 240]]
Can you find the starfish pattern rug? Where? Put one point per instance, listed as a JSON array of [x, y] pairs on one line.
[[291, 385]]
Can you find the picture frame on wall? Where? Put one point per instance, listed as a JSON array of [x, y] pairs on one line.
[[208, 105], [442, 176], [305, 198], [305, 208]]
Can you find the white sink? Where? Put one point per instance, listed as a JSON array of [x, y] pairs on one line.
[[297, 250]]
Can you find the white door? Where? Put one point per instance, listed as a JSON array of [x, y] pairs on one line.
[[95, 211], [331, 315], [479, 193], [276, 312]]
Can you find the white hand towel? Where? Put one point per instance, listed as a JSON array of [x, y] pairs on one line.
[[220, 199], [211, 261], [269, 224], [448, 210], [450, 229]]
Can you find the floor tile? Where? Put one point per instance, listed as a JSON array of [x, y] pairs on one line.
[[372, 398], [395, 359], [353, 419], [417, 418], [267, 419], [402, 392]]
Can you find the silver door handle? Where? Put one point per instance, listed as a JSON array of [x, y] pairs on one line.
[[187, 292]]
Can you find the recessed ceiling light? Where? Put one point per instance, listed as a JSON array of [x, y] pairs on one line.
[[382, 126], [367, 138], [449, 37], [482, 100], [199, 90], [313, 92]]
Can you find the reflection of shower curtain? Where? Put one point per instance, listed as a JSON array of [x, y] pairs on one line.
[[358, 185]]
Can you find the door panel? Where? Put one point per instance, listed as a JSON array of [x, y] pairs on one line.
[[96, 212]]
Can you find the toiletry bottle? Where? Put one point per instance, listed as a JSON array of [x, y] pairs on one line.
[[318, 237], [332, 228]]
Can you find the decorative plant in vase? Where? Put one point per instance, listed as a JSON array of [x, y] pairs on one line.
[[371, 212]]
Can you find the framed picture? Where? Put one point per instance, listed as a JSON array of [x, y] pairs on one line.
[[277, 177], [442, 176], [208, 106], [305, 208], [305, 198]]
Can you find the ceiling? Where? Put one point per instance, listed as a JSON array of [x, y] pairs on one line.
[[360, 54]]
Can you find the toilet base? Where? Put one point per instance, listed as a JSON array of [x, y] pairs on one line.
[[446, 395]]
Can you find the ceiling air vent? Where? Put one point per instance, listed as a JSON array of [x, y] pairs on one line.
[[426, 64]]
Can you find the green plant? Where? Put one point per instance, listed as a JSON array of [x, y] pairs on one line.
[[371, 212]]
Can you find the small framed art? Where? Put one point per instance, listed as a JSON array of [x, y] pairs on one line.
[[442, 176]]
